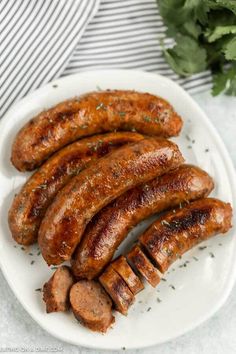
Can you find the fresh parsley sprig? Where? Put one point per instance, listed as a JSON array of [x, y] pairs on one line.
[[205, 38]]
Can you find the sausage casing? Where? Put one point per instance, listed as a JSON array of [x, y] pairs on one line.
[[95, 187], [93, 113], [122, 267], [176, 233], [118, 290], [111, 225], [143, 265], [30, 204]]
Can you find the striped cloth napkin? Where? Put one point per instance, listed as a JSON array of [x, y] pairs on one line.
[[42, 40]]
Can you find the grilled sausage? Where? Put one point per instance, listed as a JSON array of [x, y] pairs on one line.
[[144, 266], [111, 225], [116, 287], [91, 305], [56, 290], [168, 238], [176, 233], [122, 267], [30, 205], [93, 113], [74, 206]]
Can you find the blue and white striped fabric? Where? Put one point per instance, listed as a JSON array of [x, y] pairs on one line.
[[44, 39]]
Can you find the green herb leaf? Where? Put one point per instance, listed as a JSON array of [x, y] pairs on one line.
[[218, 4], [219, 83], [186, 57], [230, 49], [225, 81], [218, 32], [231, 90], [205, 38]]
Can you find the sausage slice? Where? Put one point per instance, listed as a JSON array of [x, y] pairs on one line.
[[176, 233], [91, 305], [117, 289], [56, 290], [122, 267], [144, 266]]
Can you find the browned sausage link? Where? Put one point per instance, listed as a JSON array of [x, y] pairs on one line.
[[93, 113], [122, 267], [56, 290], [75, 205], [111, 225], [176, 233], [30, 205], [118, 290], [91, 305]]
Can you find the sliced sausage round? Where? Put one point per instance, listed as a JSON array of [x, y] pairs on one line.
[[91, 305], [56, 290]]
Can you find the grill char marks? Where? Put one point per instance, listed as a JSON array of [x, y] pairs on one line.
[[143, 265], [94, 188], [93, 113], [121, 266], [118, 290], [30, 205], [111, 225], [176, 233]]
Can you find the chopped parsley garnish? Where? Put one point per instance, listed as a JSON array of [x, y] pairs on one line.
[[147, 119], [101, 106], [164, 222], [201, 248], [187, 137], [83, 126]]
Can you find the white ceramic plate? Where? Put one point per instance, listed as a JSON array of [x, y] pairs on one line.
[[190, 294]]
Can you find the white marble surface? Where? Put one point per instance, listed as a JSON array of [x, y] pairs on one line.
[[216, 336]]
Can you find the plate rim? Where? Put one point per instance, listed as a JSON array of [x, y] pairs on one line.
[[230, 173]]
